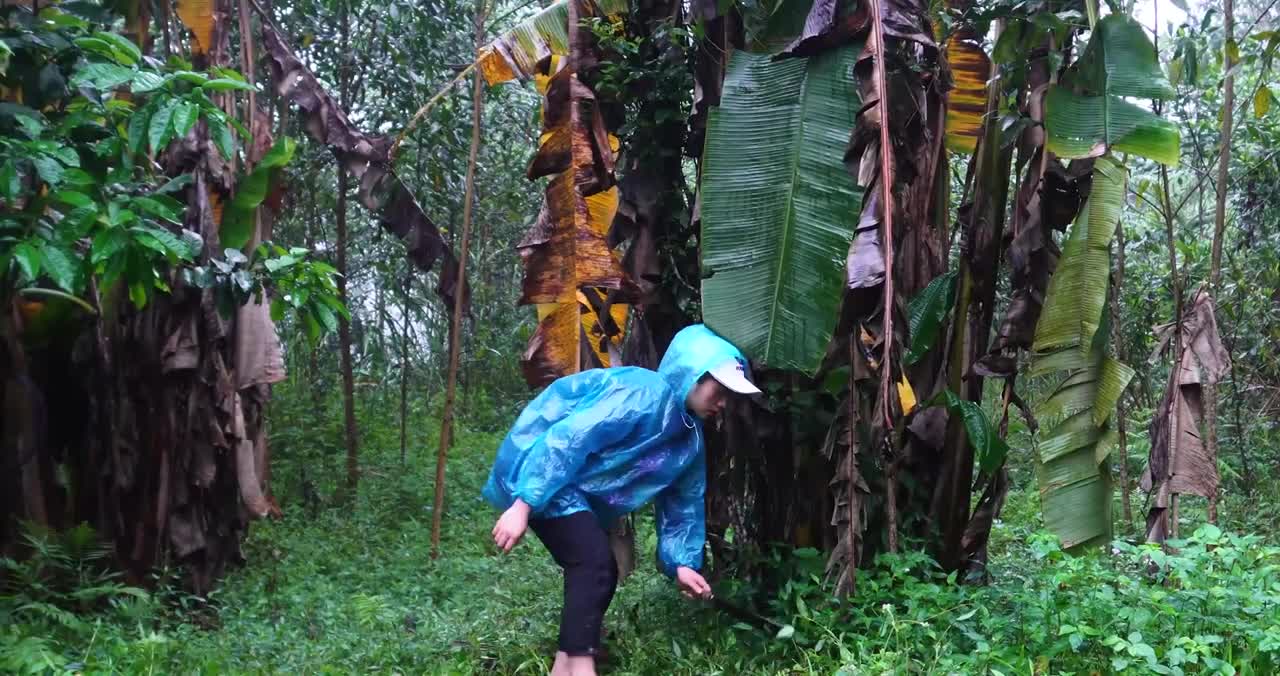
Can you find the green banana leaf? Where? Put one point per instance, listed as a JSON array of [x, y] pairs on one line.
[[1088, 126], [1070, 340], [778, 206], [1074, 479], [1120, 60], [1087, 115], [1077, 291]]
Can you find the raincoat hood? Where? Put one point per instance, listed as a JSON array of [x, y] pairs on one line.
[[694, 351]]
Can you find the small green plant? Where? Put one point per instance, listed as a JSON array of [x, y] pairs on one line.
[[83, 200]]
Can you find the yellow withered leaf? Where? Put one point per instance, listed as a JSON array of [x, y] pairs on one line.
[[906, 396], [570, 339], [494, 66], [197, 16], [516, 53], [567, 249], [569, 268], [970, 70]]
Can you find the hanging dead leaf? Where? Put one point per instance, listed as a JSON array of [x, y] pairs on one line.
[[567, 258], [967, 101], [197, 16], [367, 158], [1179, 461]]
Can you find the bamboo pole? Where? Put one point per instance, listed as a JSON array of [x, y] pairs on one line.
[[455, 329]]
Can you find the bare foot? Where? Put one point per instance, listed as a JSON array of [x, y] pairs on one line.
[[582, 666]]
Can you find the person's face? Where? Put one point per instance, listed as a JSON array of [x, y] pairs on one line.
[[708, 398]]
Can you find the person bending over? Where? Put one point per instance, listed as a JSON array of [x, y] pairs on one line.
[[599, 444]]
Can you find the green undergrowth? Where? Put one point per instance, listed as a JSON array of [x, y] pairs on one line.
[[335, 589]]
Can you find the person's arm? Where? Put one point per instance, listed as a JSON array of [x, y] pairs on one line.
[[680, 513]]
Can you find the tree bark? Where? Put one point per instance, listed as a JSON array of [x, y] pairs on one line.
[[455, 329], [1219, 228]]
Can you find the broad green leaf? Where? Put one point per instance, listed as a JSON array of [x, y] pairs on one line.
[[326, 316], [1089, 126], [1232, 51], [238, 216], [221, 136], [989, 449], [73, 198], [138, 294], [102, 76], [147, 81], [251, 190], [1089, 116], [97, 46], [184, 118], [1113, 378], [10, 181], [79, 178], [123, 48], [67, 156], [158, 209], [138, 123], [925, 313], [189, 76], [226, 84], [1120, 60], [60, 265], [162, 241], [1077, 291], [28, 258], [175, 184], [227, 73], [49, 169], [1075, 441], [780, 208], [160, 129], [107, 244], [280, 154], [1008, 47]]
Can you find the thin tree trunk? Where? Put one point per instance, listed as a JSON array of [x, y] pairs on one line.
[[1118, 341], [455, 329], [1219, 228], [1171, 516], [247, 61], [166, 14], [344, 325], [404, 377]]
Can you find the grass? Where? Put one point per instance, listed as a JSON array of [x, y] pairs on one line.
[[354, 589]]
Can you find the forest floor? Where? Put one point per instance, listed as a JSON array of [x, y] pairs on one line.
[[354, 589]]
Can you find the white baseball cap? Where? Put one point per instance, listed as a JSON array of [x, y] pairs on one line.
[[732, 374]]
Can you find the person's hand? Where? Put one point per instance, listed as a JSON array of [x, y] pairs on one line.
[[692, 584], [511, 526]]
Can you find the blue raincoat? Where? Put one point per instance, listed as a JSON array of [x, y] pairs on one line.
[[610, 440]]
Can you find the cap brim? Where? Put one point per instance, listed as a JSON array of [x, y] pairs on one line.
[[731, 376]]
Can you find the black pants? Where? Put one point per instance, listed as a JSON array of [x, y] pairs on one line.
[[580, 547]]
